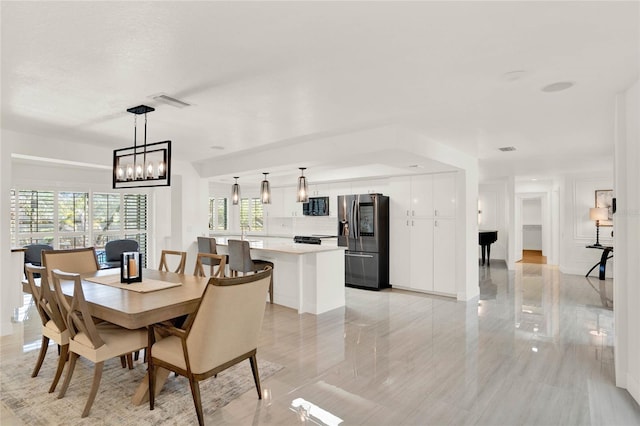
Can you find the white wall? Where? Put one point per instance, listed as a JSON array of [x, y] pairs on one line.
[[626, 296], [493, 205], [577, 230]]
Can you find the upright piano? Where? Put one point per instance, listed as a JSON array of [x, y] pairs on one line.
[[485, 239]]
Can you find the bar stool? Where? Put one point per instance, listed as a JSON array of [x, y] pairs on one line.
[[208, 245], [240, 261]]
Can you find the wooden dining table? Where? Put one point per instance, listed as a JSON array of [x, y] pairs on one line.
[[131, 309]]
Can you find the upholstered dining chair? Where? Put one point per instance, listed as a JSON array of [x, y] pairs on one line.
[[210, 259], [113, 249], [95, 342], [79, 261], [223, 332], [182, 261], [240, 261], [53, 325]]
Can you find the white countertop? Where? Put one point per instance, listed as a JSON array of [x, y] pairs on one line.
[[283, 245]]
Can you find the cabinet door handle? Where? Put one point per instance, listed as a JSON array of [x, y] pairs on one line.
[[407, 223], [412, 223], [407, 212], [436, 212], [435, 223]]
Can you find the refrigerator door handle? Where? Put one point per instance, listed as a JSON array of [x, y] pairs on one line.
[[358, 255], [354, 218]]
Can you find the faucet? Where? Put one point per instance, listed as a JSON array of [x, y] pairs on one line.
[[243, 230]]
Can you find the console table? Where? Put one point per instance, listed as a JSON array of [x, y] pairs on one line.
[[606, 250]]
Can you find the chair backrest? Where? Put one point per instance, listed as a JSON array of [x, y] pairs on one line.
[[78, 261], [164, 266], [113, 249], [240, 256], [207, 245], [228, 320], [45, 298], [33, 254], [210, 259], [79, 320]]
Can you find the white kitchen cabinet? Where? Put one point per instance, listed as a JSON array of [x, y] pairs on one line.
[[422, 233], [444, 195], [335, 190], [318, 190], [276, 207], [371, 186], [421, 203], [399, 254], [292, 208], [422, 262], [444, 255]]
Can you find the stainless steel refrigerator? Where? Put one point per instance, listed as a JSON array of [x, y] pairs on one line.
[[363, 227]]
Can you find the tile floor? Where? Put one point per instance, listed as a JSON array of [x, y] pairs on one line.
[[535, 349]]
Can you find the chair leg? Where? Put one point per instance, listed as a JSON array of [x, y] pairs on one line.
[[197, 401], [136, 355], [43, 352], [271, 288], [256, 374], [64, 354], [152, 383], [123, 361], [97, 376], [130, 360], [72, 364]]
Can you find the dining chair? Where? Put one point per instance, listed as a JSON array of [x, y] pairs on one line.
[[79, 261], [33, 254], [95, 342], [53, 325], [164, 266], [114, 249], [223, 332], [240, 261], [210, 259]]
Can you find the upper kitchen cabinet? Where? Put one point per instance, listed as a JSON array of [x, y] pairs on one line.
[[335, 190], [419, 196], [444, 195], [318, 190], [371, 186]]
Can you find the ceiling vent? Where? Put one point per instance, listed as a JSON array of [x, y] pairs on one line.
[[507, 148], [166, 99]]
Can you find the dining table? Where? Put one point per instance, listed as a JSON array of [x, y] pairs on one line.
[[136, 309]]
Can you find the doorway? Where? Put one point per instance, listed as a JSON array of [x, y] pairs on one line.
[[532, 247]]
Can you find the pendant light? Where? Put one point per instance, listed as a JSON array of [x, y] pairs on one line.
[[265, 190], [235, 191], [303, 191], [142, 165]]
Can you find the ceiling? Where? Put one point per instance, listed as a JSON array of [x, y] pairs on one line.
[[265, 77]]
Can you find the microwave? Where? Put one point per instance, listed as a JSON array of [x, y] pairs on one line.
[[316, 206]]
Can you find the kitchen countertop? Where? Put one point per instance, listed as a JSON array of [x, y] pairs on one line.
[[282, 245]]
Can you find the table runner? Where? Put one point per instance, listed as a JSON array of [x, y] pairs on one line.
[[147, 285]]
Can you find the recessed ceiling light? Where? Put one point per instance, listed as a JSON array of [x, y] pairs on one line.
[[557, 87], [507, 148], [513, 75], [217, 147]]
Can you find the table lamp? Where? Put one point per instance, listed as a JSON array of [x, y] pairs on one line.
[[598, 214]]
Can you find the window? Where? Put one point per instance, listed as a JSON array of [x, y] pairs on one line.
[[251, 214], [217, 214], [83, 218]]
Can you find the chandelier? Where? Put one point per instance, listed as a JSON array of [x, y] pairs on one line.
[[145, 165]]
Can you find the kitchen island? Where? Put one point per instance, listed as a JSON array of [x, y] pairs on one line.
[[306, 277]]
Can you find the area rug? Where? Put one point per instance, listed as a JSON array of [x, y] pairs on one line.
[[29, 400]]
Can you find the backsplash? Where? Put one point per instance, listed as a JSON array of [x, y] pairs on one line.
[[306, 225]]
